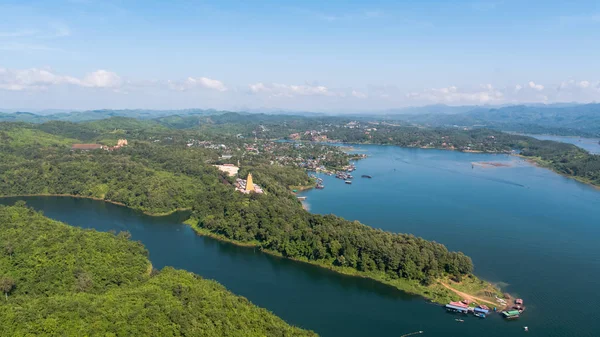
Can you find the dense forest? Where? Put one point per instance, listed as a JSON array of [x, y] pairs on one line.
[[275, 224], [159, 177], [169, 167], [59, 280]]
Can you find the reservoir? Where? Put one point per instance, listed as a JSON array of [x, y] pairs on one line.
[[527, 228], [592, 145]]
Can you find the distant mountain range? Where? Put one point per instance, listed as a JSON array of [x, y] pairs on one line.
[[91, 115], [560, 119], [583, 119]]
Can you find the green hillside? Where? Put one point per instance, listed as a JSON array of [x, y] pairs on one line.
[[60, 280]]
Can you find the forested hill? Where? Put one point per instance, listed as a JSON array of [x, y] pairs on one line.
[[159, 172], [560, 119], [58, 280]]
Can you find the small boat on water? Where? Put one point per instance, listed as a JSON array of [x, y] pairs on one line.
[[480, 315], [459, 320], [320, 187], [526, 328], [301, 198], [366, 176], [348, 182]]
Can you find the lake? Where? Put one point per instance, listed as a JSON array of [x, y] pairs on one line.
[[589, 144], [534, 231]]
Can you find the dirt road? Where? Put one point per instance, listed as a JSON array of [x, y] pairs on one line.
[[469, 297]]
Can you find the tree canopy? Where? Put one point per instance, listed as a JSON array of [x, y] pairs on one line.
[[66, 281]]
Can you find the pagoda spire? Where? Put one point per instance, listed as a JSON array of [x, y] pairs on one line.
[[249, 183]]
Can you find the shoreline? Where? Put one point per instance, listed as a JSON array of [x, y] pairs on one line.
[[538, 162], [408, 286], [404, 285], [97, 199], [531, 160]]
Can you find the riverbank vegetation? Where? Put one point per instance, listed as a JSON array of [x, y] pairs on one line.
[[161, 176], [62, 280], [169, 165]]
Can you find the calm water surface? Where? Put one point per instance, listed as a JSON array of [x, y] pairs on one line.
[[589, 144], [528, 228]]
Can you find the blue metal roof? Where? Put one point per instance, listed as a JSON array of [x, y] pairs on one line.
[[481, 310], [450, 306]]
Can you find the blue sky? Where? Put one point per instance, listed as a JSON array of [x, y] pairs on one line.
[[297, 55]]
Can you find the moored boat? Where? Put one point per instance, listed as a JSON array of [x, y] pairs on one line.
[[348, 182], [366, 176], [511, 314]]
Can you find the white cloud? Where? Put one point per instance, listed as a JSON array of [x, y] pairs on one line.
[[583, 84], [453, 95], [285, 90], [32, 79], [358, 94], [258, 87], [535, 86], [101, 79], [41, 79], [518, 87], [199, 82], [570, 84]]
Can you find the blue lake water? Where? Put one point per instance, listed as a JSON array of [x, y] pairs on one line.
[[532, 230], [527, 228], [589, 144]]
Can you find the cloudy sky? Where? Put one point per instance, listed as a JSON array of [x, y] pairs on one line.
[[296, 55]]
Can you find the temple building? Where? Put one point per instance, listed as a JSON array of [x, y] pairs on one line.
[[247, 186]]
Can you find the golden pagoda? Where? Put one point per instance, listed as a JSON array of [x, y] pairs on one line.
[[249, 183]]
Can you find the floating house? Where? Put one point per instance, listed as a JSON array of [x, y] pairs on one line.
[[511, 314], [481, 310], [457, 307]]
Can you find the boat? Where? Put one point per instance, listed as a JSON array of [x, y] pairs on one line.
[[480, 315], [366, 176], [348, 182], [459, 320], [526, 328], [301, 198], [320, 187]]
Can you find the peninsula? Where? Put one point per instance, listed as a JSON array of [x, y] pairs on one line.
[[162, 171]]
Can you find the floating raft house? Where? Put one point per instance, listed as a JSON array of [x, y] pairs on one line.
[[457, 308], [481, 310], [511, 314]]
